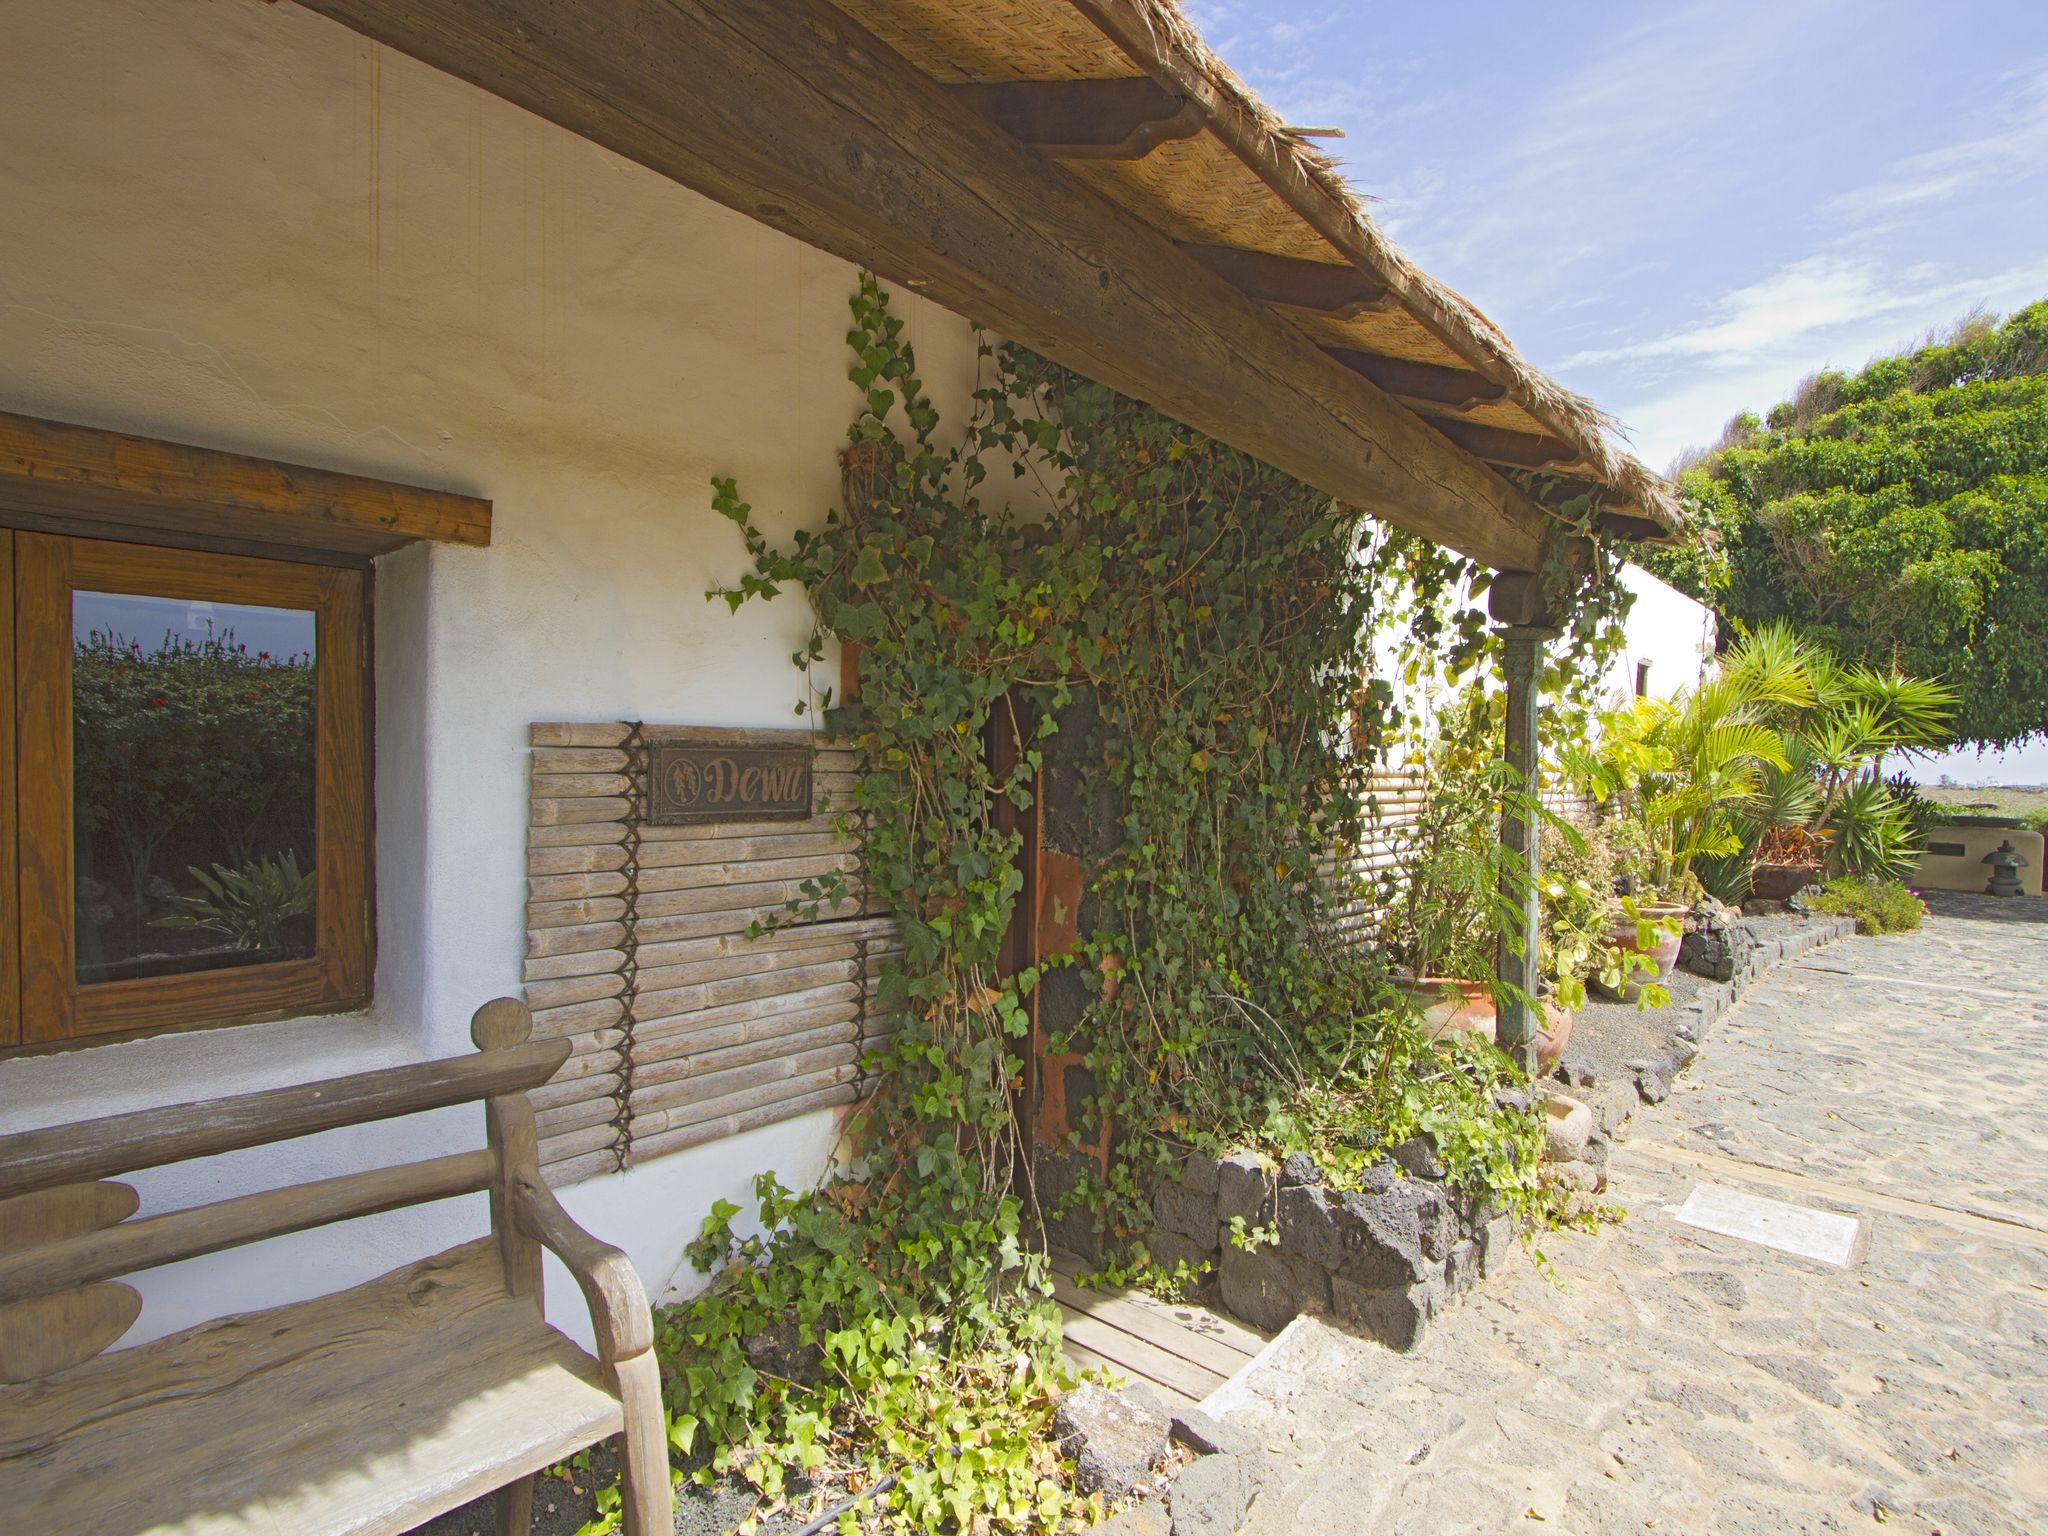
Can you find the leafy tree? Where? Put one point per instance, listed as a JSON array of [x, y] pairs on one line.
[[1898, 517]]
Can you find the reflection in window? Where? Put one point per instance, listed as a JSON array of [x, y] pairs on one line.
[[193, 784]]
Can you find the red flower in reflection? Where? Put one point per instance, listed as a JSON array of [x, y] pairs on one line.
[[157, 702]]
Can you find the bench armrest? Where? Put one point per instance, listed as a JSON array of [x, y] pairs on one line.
[[611, 1286]]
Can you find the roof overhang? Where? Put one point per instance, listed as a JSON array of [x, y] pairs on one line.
[[796, 114]]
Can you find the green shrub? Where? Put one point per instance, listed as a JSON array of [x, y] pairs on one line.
[[1879, 906]]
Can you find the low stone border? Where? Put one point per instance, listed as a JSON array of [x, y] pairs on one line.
[[1381, 1259], [1384, 1259], [1620, 1057], [1180, 1472]]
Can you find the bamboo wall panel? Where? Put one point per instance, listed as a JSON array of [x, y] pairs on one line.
[[1389, 845], [683, 1029]]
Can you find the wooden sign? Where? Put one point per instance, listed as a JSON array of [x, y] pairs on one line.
[[689, 784]]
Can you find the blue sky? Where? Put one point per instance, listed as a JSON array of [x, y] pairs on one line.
[[1681, 209]]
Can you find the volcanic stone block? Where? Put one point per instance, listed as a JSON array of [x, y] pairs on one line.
[[1380, 1175], [1057, 1174], [1435, 1221], [1398, 1316], [1115, 1442], [1210, 1496], [1198, 1171], [1461, 1269], [1245, 1188], [1270, 1288], [1206, 1435], [1383, 1234], [1417, 1155], [1178, 1208], [1299, 1168], [1170, 1250], [1308, 1224]]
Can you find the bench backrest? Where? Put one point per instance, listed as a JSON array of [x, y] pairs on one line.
[[65, 1234]]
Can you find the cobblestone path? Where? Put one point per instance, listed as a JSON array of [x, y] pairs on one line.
[[1680, 1382]]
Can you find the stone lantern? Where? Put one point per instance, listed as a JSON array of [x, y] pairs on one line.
[[2005, 861]]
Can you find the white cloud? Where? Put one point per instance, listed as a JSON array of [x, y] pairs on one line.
[[1761, 339], [1817, 294], [2016, 141]]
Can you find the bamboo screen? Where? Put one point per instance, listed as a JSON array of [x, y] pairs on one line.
[[1389, 844], [683, 1028]]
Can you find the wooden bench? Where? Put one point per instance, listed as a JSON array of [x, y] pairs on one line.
[[368, 1410]]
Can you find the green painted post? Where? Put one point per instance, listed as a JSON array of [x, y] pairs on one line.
[[1522, 667]]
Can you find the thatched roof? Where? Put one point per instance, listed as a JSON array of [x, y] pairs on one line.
[[1243, 181]]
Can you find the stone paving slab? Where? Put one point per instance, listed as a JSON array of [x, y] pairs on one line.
[[1677, 1380]]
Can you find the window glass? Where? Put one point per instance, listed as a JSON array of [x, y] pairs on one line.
[[193, 785]]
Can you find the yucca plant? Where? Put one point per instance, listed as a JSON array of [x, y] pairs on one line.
[[246, 906], [1684, 771], [1838, 725]]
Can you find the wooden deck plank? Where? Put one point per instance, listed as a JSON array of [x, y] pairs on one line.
[[1188, 1338], [1223, 1328], [1219, 1326], [1138, 1358], [1088, 1359]]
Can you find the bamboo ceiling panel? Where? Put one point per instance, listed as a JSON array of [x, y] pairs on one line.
[[993, 39], [684, 1029], [1241, 183], [1196, 189], [1387, 332]]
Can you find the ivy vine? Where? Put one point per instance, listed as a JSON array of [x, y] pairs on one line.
[[1086, 582]]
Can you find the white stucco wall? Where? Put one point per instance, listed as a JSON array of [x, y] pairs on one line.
[[1665, 628], [241, 226]]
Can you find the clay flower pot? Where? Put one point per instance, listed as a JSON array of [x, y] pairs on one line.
[[1781, 882], [1551, 1037], [1451, 1006], [1621, 933]]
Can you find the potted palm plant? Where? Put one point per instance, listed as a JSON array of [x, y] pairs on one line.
[[1576, 865], [1445, 902], [1823, 807], [1671, 775]]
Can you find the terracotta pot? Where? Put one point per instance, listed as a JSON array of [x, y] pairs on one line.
[[1621, 933], [1551, 1038], [1451, 1006], [1781, 882]]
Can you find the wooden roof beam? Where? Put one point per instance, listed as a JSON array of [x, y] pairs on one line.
[[1424, 384], [1085, 119], [1336, 289], [62, 478], [1497, 445], [793, 114], [1133, 26]]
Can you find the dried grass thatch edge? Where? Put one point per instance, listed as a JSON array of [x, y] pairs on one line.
[[1160, 40]]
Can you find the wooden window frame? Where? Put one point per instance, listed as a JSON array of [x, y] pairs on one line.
[[51, 1008]]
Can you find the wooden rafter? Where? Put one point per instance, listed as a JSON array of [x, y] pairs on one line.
[[1132, 26], [1497, 445], [1085, 119], [1424, 384], [1329, 288], [792, 113]]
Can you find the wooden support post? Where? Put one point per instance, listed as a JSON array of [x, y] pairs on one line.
[[1517, 604], [1519, 956]]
